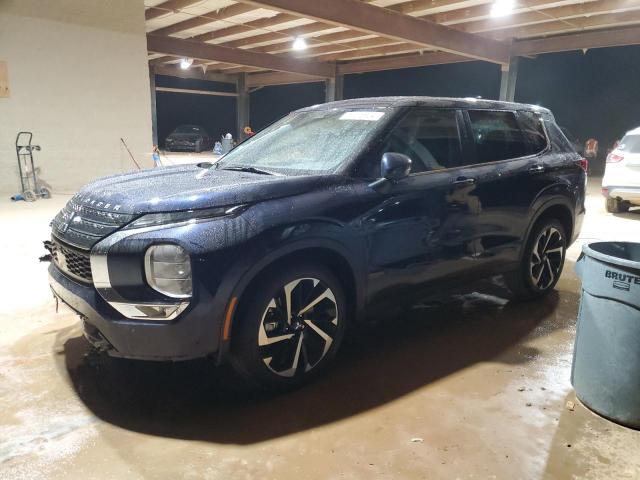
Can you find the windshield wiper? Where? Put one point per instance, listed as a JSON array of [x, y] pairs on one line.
[[241, 168]]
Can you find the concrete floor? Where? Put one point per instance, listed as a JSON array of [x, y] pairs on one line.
[[474, 388]]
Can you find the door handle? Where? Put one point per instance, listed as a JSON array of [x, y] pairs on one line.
[[539, 168], [463, 182]]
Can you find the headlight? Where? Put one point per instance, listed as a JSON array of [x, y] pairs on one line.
[[167, 268], [185, 217]]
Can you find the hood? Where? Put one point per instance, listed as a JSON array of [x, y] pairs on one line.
[[189, 187]]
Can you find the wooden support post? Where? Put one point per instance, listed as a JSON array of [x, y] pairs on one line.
[[242, 106], [513, 78], [330, 90], [334, 87], [339, 87], [154, 113], [508, 79]]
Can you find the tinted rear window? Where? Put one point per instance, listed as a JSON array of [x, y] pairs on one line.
[[630, 143], [497, 136], [533, 131]]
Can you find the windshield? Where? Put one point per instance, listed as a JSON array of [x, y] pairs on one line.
[[630, 144], [308, 142], [188, 129]]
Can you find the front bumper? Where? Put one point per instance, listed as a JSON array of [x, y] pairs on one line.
[[195, 333]]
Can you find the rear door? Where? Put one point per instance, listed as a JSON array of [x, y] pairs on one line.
[[507, 164]]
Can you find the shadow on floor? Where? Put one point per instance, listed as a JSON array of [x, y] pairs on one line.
[[632, 214], [376, 364]]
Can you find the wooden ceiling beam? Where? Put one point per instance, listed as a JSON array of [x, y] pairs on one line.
[[194, 73], [278, 78], [565, 13], [556, 27], [397, 62], [166, 8], [483, 11], [204, 51], [210, 17], [579, 41], [384, 22]]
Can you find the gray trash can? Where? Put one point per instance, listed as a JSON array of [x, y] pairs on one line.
[[606, 359]]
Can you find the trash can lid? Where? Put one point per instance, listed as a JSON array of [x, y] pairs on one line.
[[626, 254]]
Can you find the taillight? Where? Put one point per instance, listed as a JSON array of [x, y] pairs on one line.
[[583, 163], [614, 157]]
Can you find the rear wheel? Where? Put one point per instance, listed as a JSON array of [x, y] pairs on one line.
[[290, 326], [542, 261], [614, 205]]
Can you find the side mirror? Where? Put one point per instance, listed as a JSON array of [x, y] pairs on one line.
[[395, 166]]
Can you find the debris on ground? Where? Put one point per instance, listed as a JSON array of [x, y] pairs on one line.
[[417, 440], [570, 405]]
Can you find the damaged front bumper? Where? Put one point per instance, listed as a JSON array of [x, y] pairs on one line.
[[194, 334]]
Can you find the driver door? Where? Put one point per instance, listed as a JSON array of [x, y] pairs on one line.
[[419, 231]]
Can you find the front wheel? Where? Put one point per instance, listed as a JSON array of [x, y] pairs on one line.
[[290, 326], [542, 261]]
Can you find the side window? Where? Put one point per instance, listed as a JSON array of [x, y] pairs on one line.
[[497, 136], [429, 137], [533, 131]]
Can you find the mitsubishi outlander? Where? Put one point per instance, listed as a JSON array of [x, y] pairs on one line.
[[334, 211]]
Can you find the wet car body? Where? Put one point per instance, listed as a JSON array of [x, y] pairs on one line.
[[413, 236]]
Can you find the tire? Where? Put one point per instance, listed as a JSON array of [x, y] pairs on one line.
[[45, 192], [279, 354], [542, 261], [29, 196], [614, 205]]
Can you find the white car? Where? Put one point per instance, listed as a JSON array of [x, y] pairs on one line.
[[621, 181]]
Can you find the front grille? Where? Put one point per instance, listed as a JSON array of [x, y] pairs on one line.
[[72, 261]]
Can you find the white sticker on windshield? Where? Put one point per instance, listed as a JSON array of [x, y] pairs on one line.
[[362, 115]]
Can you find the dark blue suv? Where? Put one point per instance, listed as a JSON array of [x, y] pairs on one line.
[[329, 214]]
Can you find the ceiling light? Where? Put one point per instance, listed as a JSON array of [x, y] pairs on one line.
[[299, 44], [501, 8], [185, 63]]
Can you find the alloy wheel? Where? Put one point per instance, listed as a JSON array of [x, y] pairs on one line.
[[546, 258], [298, 327]]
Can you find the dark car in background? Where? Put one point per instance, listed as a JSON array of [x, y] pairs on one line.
[[189, 138], [329, 214]]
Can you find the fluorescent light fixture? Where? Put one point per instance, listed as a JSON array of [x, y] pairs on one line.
[[185, 63], [501, 8], [299, 44]]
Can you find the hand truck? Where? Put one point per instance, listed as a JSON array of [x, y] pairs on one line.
[[31, 190]]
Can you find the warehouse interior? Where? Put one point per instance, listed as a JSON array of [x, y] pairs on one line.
[[470, 385]]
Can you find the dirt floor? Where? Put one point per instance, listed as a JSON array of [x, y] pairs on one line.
[[475, 387]]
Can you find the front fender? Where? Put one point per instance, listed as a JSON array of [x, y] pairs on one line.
[[241, 274]]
